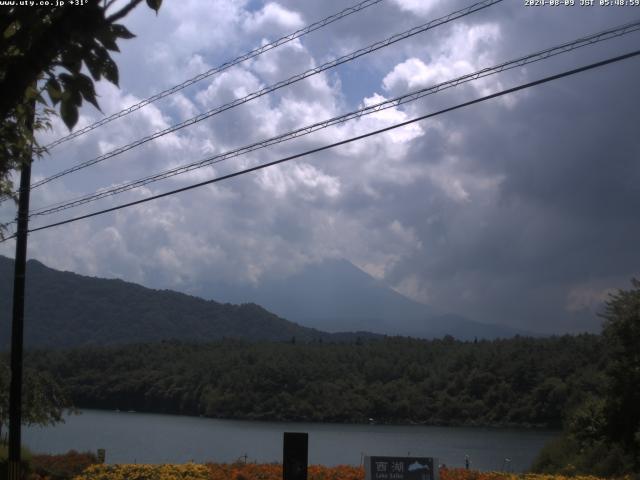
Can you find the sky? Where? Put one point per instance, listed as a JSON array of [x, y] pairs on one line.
[[519, 211]]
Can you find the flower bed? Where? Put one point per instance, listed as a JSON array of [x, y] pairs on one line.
[[463, 474], [60, 467], [188, 471], [250, 471]]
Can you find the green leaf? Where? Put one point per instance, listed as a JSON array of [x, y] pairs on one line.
[[72, 61], [11, 29], [66, 78], [87, 89], [154, 4], [68, 112], [71, 89], [76, 96], [54, 90], [108, 39], [30, 93], [121, 31], [92, 60], [110, 70]]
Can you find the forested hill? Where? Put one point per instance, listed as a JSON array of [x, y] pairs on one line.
[[520, 381], [64, 310]]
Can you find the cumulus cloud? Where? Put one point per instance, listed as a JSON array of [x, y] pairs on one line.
[[417, 7], [518, 212], [464, 51], [299, 180], [272, 17]]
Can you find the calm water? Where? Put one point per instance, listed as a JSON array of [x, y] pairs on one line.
[[150, 438]]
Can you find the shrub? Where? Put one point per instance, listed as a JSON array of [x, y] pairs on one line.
[[189, 471], [4, 457], [62, 467]]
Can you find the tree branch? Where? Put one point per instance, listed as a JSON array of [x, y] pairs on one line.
[[21, 71], [123, 11]]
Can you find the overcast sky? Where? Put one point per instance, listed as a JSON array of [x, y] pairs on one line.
[[521, 210]]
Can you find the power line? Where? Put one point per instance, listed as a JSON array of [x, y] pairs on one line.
[[242, 58], [276, 86], [403, 99], [344, 142], [266, 90]]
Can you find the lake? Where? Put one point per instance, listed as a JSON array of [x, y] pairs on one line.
[[152, 438]]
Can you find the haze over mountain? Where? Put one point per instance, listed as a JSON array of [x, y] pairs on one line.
[[335, 295], [64, 309]]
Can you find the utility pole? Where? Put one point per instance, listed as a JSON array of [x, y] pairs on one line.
[[17, 324]]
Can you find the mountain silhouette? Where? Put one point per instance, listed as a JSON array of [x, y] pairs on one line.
[[335, 295]]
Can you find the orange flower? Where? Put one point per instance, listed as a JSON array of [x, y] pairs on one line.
[[252, 471]]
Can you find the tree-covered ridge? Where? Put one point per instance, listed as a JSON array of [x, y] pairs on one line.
[[66, 310], [520, 381]]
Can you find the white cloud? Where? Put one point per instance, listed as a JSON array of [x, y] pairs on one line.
[[414, 287], [227, 86], [198, 26], [464, 51], [272, 17], [418, 7], [299, 179]]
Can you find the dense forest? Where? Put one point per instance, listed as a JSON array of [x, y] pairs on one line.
[[98, 311], [521, 381]]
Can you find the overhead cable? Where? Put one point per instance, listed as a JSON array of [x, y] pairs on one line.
[[242, 58], [271, 88], [403, 99], [343, 142]]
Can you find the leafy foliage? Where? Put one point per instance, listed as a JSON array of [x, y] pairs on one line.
[[60, 467], [602, 434], [44, 399], [504, 382], [189, 471], [44, 49], [25, 456], [622, 334], [252, 471]]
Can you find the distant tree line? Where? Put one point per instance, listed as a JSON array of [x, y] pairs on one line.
[[601, 435], [44, 399], [519, 382]]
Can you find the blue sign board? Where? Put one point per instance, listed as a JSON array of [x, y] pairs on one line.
[[401, 468]]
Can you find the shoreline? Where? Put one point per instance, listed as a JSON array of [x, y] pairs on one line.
[[478, 426]]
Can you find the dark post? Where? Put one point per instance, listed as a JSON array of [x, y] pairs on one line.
[[295, 456], [17, 325]]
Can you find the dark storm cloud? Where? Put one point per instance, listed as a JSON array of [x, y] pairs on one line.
[[565, 212], [519, 211]]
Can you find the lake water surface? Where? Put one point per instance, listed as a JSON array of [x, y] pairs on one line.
[[151, 438]]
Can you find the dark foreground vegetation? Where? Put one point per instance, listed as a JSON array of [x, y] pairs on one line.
[[520, 382], [588, 384], [49, 467], [85, 466], [602, 434]]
